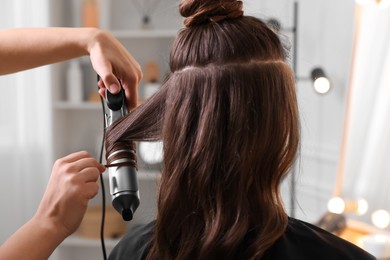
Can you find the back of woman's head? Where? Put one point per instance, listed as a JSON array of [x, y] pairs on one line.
[[228, 119]]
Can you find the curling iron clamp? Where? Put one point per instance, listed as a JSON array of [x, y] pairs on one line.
[[121, 162]]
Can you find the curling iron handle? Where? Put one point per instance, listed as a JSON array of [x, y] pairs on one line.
[[115, 101]]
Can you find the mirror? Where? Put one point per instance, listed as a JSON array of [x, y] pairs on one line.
[[345, 142], [364, 163], [325, 34]]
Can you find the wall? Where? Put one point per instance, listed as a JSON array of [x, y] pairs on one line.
[[325, 38], [25, 139]]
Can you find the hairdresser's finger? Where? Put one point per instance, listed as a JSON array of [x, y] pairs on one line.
[[130, 82], [102, 89], [87, 162], [131, 93], [130, 85], [101, 84], [90, 174], [91, 189], [76, 162], [110, 82], [75, 157]]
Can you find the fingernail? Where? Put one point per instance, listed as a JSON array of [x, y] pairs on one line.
[[114, 88]]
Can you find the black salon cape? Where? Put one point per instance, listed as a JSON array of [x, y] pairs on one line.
[[301, 241]]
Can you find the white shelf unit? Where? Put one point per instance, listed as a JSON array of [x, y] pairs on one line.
[[144, 34], [79, 125], [83, 120], [65, 105]]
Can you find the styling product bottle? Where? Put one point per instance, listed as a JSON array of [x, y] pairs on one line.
[[90, 13], [74, 82]]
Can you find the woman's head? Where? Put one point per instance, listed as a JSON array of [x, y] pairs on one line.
[[233, 39], [227, 115]]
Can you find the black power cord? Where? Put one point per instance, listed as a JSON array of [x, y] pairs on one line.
[[102, 182]]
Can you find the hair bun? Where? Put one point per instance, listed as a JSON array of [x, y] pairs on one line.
[[204, 11]]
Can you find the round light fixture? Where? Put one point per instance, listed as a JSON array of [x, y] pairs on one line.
[[336, 205], [380, 218], [321, 83], [362, 207]]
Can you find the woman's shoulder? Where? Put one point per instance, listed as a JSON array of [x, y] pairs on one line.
[[135, 244], [306, 241]]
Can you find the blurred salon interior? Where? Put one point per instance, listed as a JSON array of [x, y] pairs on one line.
[[340, 54]]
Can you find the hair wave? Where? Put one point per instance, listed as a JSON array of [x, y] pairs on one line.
[[228, 119]]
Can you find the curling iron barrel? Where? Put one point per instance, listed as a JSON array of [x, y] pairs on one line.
[[122, 162]]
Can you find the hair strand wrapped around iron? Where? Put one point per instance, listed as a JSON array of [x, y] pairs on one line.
[[124, 152]]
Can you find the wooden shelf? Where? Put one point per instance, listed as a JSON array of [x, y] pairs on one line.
[[65, 105], [77, 241]]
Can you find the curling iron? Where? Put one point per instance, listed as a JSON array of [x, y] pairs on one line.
[[121, 162]]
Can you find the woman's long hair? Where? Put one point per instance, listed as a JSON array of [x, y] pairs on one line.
[[228, 119]]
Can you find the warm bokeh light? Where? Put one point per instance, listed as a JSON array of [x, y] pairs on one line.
[[362, 207], [380, 218], [336, 205]]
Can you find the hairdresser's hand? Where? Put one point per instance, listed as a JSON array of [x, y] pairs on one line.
[[26, 48], [72, 184], [112, 61]]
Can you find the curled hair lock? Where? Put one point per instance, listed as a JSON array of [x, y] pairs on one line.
[[204, 11]]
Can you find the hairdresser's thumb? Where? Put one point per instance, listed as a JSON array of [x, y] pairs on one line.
[[112, 84]]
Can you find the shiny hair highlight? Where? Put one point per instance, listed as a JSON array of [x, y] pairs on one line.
[[228, 118]]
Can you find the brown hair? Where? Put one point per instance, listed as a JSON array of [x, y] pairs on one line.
[[228, 119]]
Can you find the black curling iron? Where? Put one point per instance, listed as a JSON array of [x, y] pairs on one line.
[[121, 162]]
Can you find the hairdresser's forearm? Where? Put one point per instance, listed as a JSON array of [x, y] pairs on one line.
[[22, 49], [36, 240]]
